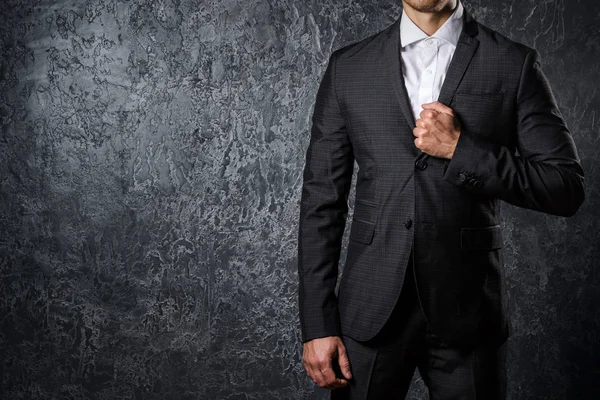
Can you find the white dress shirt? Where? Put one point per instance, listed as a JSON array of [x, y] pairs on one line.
[[425, 59]]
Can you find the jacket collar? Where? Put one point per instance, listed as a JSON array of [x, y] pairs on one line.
[[465, 50], [469, 29], [449, 31]]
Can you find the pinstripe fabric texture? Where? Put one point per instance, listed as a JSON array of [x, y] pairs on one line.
[[514, 146]]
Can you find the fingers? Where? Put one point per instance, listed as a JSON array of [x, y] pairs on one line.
[[437, 106], [428, 118], [418, 131], [418, 134], [344, 361], [330, 381], [437, 131], [423, 122], [315, 374], [427, 114], [324, 376], [318, 356]]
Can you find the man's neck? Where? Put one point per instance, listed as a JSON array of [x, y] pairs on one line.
[[430, 22]]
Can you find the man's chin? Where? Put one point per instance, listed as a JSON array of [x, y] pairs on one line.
[[426, 6]]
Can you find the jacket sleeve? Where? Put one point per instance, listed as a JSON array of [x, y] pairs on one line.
[[323, 209], [546, 174]]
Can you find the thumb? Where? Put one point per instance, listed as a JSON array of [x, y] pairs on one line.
[[344, 362], [437, 106]]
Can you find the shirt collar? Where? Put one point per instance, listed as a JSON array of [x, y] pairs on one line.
[[449, 31]]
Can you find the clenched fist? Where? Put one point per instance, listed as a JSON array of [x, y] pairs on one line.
[[437, 130], [319, 355]]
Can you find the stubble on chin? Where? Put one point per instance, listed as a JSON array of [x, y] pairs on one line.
[[426, 6]]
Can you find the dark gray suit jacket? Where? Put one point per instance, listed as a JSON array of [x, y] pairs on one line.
[[514, 146]]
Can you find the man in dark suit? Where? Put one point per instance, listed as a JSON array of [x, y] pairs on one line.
[[442, 127]]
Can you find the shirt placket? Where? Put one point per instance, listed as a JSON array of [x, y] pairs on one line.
[[428, 57]]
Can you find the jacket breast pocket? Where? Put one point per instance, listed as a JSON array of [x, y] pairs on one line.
[[485, 238], [478, 112]]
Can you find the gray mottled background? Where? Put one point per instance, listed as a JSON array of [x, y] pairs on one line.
[[150, 168]]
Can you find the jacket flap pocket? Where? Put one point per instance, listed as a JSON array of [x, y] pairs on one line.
[[361, 231], [486, 238]]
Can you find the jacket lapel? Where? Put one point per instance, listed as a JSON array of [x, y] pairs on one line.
[[463, 54], [394, 70], [465, 49]]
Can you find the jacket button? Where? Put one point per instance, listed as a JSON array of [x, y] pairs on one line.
[[462, 177], [421, 164], [477, 183], [408, 223]]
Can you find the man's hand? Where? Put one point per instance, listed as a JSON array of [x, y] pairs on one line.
[[318, 356], [437, 130]]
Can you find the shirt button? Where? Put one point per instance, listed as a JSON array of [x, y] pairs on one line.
[[408, 223]]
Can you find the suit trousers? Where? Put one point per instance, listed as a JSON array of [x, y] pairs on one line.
[[383, 367]]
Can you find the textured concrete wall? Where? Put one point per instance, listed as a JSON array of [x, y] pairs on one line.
[[150, 172]]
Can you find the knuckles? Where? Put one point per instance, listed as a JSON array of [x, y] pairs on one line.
[[427, 114]]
